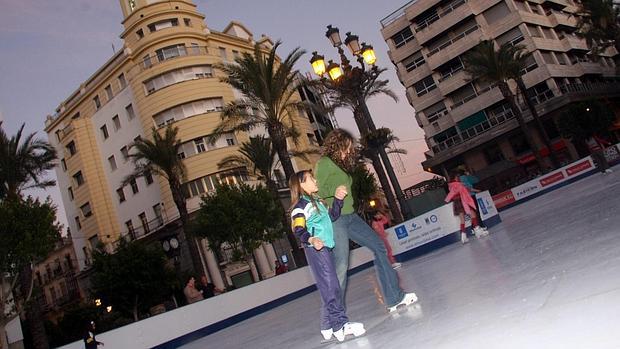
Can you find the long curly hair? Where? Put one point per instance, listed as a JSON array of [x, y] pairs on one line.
[[339, 142]]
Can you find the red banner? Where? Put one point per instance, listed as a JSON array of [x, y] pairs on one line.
[[582, 166], [503, 199], [552, 179]]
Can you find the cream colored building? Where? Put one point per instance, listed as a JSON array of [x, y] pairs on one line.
[[164, 75], [468, 122]]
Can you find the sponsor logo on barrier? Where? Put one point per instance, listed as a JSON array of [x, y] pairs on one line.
[[552, 179], [401, 232], [482, 206], [431, 219], [582, 166], [415, 226], [503, 199], [525, 190]]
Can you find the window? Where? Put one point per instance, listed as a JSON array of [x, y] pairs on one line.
[[181, 155], [166, 23], [223, 53], [235, 54], [129, 225], [121, 194], [402, 37], [134, 186], [130, 113], [125, 153], [186, 110], [58, 132], [423, 87], [195, 49], [140, 34], [199, 143], [63, 164], [70, 190], [148, 177], [178, 75], [77, 115], [104, 131], [117, 122], [97, 102], [144, 221], [112, 162], [413, 61], [146, 60], [78, 224], [496, 13], [78, 178], [435, 111], [187, 21], [230, 140], [122, 82], [86, 210], [311, 138], [171, 52], [157, 212], [108, 91], [71, 148]]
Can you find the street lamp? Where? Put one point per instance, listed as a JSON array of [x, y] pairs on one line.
[[351, 81]]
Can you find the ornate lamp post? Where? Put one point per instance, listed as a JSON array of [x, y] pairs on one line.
[[350, 82]]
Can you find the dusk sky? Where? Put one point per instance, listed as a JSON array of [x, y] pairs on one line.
[[48, 48]]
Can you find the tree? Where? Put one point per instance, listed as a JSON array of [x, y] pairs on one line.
[[269, 98], [364, 187], [159, 157], [598, 24], [241, 217], [498, 67], [28, 232], [352, 93], [584, 119], [23, 162], [132, 279]]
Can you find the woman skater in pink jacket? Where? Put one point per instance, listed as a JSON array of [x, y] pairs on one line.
[[463, 204]]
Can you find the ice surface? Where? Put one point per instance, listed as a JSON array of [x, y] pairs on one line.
[[548, 276]]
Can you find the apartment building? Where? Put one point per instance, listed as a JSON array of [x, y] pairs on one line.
[[467, 122], [163, 76]]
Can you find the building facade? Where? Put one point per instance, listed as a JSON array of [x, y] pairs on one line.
[[163, 76], [468, 123]]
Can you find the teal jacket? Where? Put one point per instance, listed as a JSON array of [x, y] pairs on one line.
[[313, 219]]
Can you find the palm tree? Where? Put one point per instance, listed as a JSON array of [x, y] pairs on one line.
[[159, 157], [23, 163], [268, 88], [598, 24], [498, 67], [352, 93]]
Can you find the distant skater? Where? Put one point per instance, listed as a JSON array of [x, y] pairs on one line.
[[379, 221], [312, 224], [463, 203]]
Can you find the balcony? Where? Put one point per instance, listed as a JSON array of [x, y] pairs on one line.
[[417, 74], [178, 52], [442, 20], [454, 47], [475, 102], [572, 42], [150, 227], [453, 81], [561, 19]]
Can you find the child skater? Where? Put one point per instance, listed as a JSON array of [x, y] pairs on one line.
[[463, 204], [312, 224], [379, 220]]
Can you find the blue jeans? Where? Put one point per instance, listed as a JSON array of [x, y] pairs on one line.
[[351, 226], [332, 309]]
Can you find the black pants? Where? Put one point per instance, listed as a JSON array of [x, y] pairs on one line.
[[600, 161]]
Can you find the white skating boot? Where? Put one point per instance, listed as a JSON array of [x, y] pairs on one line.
[[480, 232], [355, 328], [396, 265], [464, 238], [407, 299], [327, 334]]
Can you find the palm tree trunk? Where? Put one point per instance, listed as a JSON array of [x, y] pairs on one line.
[[34, 316], [179, 201], [541, 128], [364, 128], [510, 98], [278, 139]]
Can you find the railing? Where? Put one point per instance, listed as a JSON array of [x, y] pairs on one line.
[[453, 40], [183, 51], [436, 115], [435, 17], [449, 74], [392, 17], [472, 96], [150, 227], [542, 97]]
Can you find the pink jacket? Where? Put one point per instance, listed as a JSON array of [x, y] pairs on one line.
[[458, 190]]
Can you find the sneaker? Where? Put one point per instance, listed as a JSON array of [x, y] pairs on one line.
[[480, 232], [396, 265], [327, 334], [354, 328], [407, 299], [464, 238]]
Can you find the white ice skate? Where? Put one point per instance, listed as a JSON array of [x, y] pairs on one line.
[[354, 328], [396, 265], [480, 232], [327, 334], [409, 298], [464, 238]]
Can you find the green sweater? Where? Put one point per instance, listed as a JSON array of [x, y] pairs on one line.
[[330, 176]]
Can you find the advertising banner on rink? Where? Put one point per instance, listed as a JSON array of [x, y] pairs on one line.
[[435, 224]]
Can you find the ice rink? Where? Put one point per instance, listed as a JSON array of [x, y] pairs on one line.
[[548, 276]]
